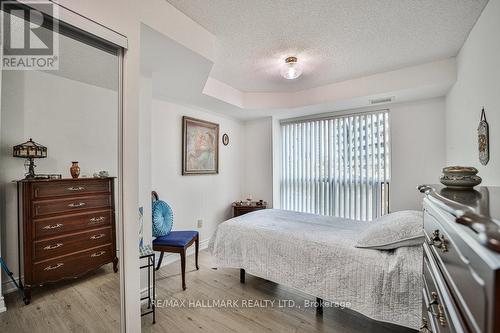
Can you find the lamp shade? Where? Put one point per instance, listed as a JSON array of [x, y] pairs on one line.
[[30, 149], [291, 69]]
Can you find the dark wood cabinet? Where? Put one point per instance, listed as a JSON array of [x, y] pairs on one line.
[[243, 208], [67, 228]]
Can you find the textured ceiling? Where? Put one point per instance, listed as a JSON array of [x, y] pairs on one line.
[[334, 39]]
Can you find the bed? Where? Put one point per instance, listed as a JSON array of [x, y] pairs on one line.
[[317, 255]]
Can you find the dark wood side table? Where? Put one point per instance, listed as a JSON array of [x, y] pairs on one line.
[[245, 207]]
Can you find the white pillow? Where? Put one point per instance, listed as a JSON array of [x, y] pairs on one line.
[[404, 228]]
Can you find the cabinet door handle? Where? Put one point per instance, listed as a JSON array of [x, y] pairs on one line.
[[76, 188], [439, 241], [439, 314], [53, 246], [76, 204], [97, 219], [97, 254], [97, 236], [425, 328], [50, 268], [53, 226]]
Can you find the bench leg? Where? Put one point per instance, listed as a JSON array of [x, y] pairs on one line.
[[319, 306], [159, 261], [183, 268], [196, 248], [242, 275]]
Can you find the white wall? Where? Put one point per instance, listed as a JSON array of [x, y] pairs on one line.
[[258, 152], [478, 85], [145, 99], [418, 150], [75, 120], [145, 185], [194, 197]]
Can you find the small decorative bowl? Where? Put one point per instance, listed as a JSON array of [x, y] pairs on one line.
[[460, 171], [460, 178]]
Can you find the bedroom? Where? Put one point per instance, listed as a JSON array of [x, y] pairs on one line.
[[421, 71]]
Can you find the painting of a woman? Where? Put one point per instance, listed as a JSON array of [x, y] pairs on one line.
[[200, 146]]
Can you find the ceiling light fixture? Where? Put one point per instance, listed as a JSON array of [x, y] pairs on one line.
[[292, 69]]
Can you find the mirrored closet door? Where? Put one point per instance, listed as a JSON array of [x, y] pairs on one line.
[[59, 176]]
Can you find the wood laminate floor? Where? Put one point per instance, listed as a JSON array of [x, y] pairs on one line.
[[88, 304], [91, 304]]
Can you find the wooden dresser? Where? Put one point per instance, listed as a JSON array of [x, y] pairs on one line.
[[461, 266], [67, 228]]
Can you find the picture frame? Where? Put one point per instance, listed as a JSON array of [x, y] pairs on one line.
[[200, 147]]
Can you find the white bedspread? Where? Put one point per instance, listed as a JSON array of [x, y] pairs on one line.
[[316, 255]]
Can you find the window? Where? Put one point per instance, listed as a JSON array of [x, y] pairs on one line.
[[337, 166]]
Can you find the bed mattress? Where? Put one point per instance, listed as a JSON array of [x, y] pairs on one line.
[[317, 255]]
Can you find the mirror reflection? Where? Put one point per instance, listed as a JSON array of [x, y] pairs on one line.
[[59, 165]]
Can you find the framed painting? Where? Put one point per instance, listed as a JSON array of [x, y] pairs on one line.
[[200, 147]]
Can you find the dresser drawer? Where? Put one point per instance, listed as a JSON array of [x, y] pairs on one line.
[[63, 206], [465, 285], [70, 188], [434, 307], [72, 265], [442, 313], [241, 210], [54, 226], [57, 246]]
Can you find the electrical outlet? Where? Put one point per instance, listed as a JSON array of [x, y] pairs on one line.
[[200, 223]]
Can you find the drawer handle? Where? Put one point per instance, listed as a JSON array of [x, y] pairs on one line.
[[51, 268], [76, 188], [54, 226], [97, 236], [97, 254], [76, 204], [425, 328], [55, 246], [97, 219], [440, 312], [439, 241]]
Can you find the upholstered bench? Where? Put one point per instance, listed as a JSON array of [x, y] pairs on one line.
[[178, 242]]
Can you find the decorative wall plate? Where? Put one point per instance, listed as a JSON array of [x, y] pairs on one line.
[[225, 139], [483, 140]]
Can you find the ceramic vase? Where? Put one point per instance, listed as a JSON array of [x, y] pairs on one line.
[[75, 170]]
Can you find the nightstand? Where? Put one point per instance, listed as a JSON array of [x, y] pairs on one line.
[[245, 207]]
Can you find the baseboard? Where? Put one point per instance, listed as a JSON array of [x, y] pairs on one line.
[[9, 286], [170, 258], [3, 308]]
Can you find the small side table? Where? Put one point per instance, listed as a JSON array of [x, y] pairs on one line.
[[245, 207], [148, 253]]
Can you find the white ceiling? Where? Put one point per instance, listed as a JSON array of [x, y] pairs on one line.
[[180, 75], [336, 40]]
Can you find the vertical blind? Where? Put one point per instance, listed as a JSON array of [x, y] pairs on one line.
[[337, 166]]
